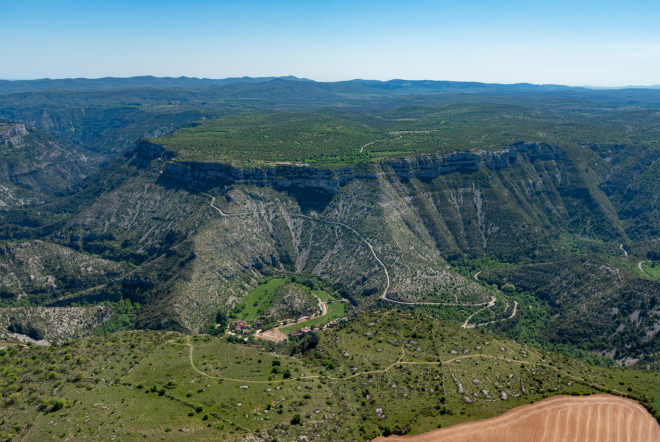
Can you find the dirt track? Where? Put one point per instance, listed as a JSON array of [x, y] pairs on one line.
[[277, 335], [601, 418]]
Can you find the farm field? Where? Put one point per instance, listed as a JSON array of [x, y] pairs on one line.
[[335, 310], [601, 418], [258, 300]]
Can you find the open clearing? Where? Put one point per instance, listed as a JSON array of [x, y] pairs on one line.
[[599, 418]]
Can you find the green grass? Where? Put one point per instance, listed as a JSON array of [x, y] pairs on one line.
[[324, 296], [335, 310], [258, 300], [233, 390], [651, 269]]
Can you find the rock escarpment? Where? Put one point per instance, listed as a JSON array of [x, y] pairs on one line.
[[300, 176], [11, 134]]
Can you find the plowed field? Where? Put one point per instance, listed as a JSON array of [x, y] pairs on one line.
[[601, 418]]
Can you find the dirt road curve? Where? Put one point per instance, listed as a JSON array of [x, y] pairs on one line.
[[597, 418], [277, 335]]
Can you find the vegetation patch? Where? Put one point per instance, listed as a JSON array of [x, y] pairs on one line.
[[280, 300], [336, 138], [385, 369], [258, 300], [336, 310]]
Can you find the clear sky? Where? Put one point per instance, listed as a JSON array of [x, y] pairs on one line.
[[576, 42]]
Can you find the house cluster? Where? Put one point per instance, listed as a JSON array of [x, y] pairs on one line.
[[239, 327], [300, 333], [335, 322]]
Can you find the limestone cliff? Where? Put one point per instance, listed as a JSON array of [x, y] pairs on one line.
[[426, 166]]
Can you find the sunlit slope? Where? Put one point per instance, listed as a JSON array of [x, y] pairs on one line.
[[384, 372]]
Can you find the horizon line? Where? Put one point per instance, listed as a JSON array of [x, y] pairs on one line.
[[292, 77]]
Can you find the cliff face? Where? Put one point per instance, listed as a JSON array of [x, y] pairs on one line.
[[419, 214], [426, 167], [12, 134]]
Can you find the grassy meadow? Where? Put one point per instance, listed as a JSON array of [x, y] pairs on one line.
[[386, 371]]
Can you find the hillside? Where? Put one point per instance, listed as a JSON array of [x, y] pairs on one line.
[[36, 167], [280, 259], [37, 271], [415, 196], [593, 302], [193, 258], [385, 372]]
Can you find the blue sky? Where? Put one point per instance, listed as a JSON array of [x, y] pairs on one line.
[[578, 42]]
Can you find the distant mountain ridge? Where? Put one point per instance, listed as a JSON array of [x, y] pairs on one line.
[[114, 83]]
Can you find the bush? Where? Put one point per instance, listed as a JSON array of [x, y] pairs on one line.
[[50, 406], [296, 419], [508, 287], [25, 328]]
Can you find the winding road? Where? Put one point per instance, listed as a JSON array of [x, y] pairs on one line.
[[275, 334], [398, 362], [383, 296], [369, 144]]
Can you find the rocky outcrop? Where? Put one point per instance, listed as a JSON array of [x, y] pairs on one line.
[[280, 176], [287, 176], [12, 134], [53, 325]]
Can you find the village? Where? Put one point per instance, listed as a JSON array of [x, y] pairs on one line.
[[242, 329]]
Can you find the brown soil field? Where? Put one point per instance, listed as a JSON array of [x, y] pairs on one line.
[[597, 418], [274, 334]]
